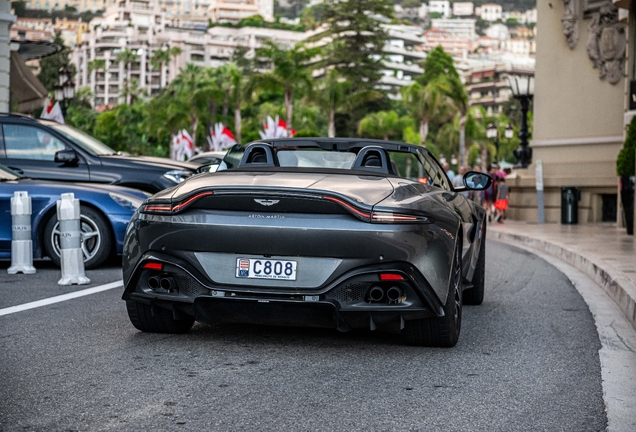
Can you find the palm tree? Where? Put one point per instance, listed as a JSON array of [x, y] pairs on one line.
[[383, 124], [190, 93], [159, 59], [332, 97], [127, 57], [238, 95], [424, 102], [96, 65], [290, 74], [454, 89]]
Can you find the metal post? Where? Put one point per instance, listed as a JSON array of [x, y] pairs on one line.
[[539, 183], [524, 153], [21, 243], [71, 256]]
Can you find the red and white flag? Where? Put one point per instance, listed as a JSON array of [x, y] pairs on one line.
[[221, 137], [53, 111], [187, 144], [275, 129]]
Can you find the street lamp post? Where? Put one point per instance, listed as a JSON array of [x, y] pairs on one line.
[[64, 90], [522, 87], [492, 132]]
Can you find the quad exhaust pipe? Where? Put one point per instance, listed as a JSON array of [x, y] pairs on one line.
[[154, 282], [167, 283], [376, 294], [394, 294]]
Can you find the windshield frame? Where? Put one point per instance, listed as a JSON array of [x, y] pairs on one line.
[[87, 143]]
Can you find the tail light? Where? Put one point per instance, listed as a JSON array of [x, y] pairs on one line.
[[377, 216], [167, 208]]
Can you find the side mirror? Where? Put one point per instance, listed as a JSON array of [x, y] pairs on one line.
[[66, 157], [477, 181]]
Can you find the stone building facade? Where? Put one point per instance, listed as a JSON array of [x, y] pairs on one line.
[[579, 108]]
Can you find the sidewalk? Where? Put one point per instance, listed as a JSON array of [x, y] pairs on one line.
[[603, 252]]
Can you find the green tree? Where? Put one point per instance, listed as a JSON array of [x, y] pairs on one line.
[[625, 164], [159, 59], [358, 40], [438, 63], [384, 125], [290, 73], [50, 66], [424, 103], [127, 57]]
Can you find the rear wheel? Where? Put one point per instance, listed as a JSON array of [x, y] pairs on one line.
[[156, 320], [475, 295], [441, 331], [96, 239]]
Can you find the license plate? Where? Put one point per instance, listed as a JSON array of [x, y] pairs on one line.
[[257, 268]]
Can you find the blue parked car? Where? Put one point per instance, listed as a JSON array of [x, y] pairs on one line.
[[105, 212]]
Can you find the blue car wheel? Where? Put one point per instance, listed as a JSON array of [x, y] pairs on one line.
[[96, 239]]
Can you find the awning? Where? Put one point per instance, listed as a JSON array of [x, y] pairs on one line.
[[25, 89]]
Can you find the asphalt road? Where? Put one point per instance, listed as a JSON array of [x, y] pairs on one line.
[[527, 360]]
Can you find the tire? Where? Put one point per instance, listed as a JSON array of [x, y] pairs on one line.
[[97, 241], [475, 295], [441, 331], [162, 321]]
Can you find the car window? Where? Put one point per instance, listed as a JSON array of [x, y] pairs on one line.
[[437, 175], [28, 142], [85, 141], [408, 165]]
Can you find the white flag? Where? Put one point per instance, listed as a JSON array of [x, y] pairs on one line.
[[53, 112]]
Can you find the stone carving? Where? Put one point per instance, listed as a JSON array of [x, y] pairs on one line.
[[570, 22], [606, 44]]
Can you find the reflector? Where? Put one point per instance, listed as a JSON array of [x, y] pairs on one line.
[[153, 266], [391, 276]]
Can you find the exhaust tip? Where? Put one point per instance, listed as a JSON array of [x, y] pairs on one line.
[[168, 283], [394, 294], [376, 294], [153, 282]]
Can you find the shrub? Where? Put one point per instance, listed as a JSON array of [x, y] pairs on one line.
[[625, 162]]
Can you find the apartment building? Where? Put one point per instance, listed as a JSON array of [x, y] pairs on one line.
[[463, 9], [440, 6], [142, 27], [487, 86], [491, 12]]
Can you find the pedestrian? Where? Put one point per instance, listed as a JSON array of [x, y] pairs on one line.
[[449, 172], [491, 193], [458, 180], [476, 196], [501, 201]]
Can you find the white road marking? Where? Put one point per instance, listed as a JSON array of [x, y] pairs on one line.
[[60, 298]]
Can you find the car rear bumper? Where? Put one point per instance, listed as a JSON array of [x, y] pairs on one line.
[[344, 304], [276, 312]]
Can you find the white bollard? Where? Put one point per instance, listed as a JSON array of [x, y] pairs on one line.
[[72, 259], [21, 242]]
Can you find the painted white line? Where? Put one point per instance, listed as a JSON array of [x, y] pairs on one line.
[[60, 298]]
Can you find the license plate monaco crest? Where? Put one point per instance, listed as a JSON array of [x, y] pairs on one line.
[[257, 268]]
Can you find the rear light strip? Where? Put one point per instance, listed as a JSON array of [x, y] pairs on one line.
[[170, 208], [349, 207], [378, 217]]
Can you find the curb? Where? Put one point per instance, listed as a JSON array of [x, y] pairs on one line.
[[618, 287]]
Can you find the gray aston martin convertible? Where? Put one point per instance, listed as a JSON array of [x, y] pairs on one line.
[[335, 233]]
